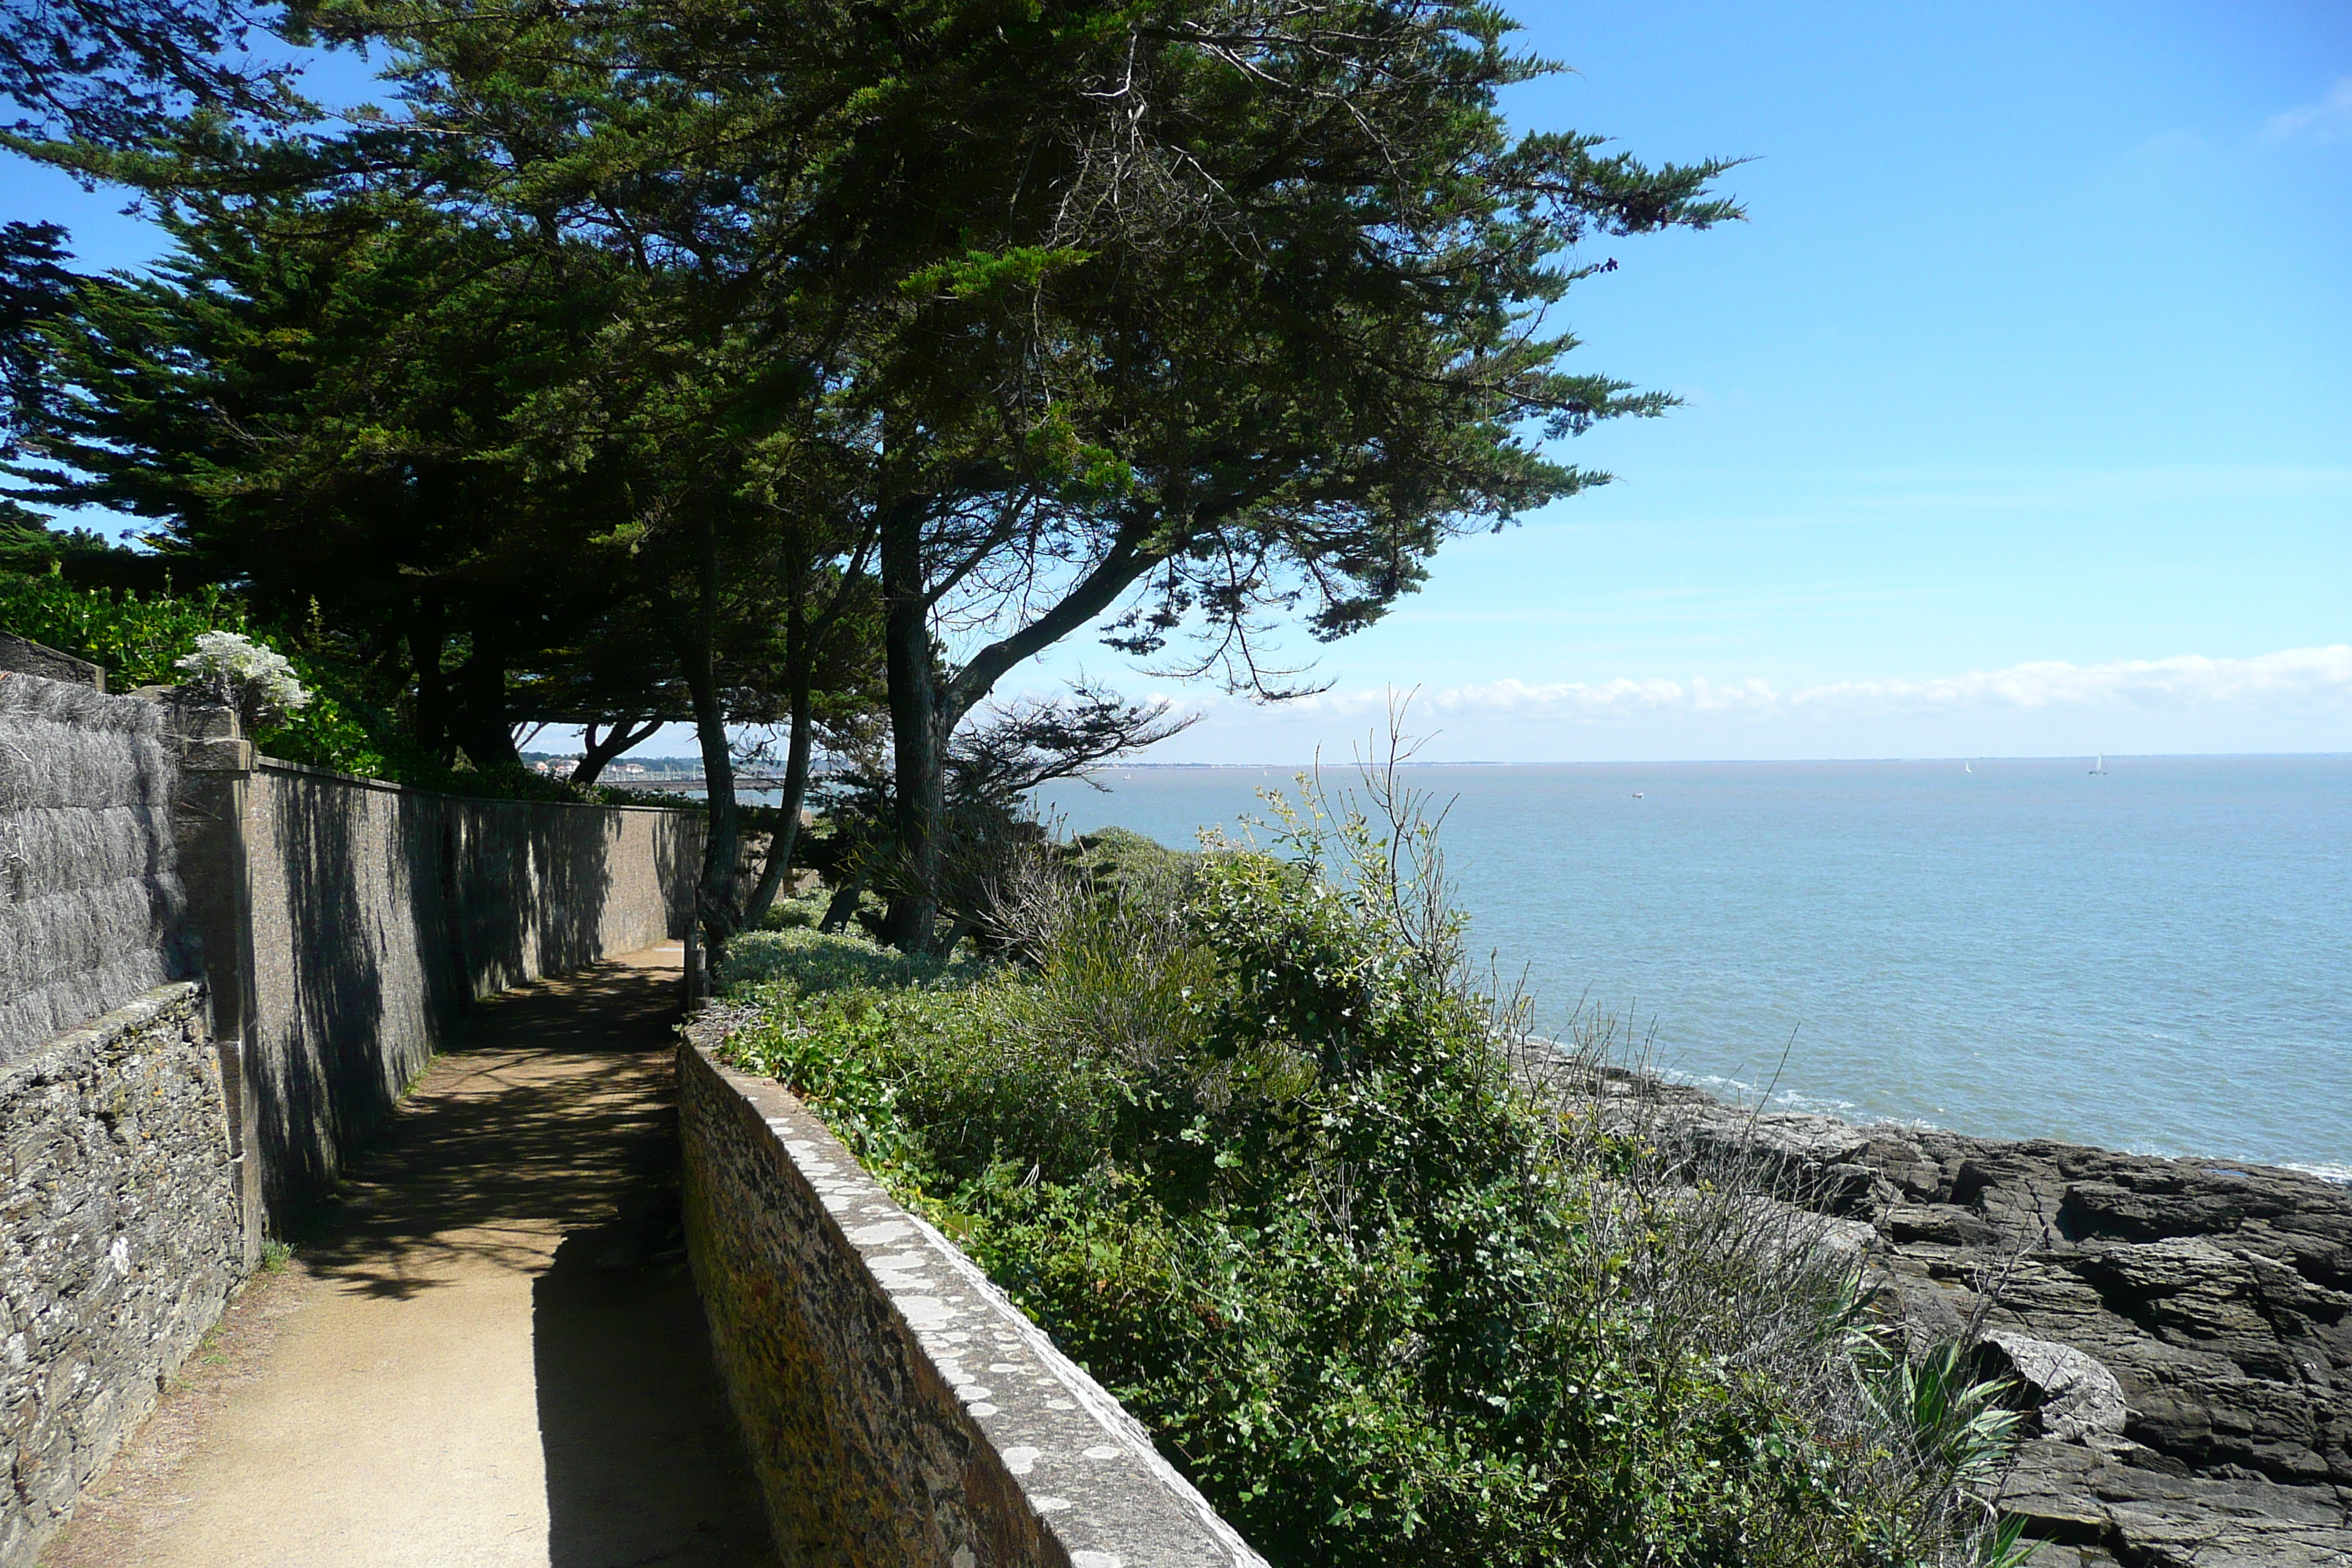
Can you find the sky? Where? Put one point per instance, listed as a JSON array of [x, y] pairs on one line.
[[2017, 418]]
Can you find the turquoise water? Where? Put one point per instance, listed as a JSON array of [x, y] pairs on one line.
[[2157, 960]]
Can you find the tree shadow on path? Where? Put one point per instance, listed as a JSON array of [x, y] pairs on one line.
[[550, 1127]]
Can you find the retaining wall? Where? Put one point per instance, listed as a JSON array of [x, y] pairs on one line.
[[217, 972], [900, 1411], [123, 1240]]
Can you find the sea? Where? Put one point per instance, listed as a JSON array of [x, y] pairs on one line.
[[2155, 958]]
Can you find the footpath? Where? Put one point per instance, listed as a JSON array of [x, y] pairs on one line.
[[487, 1353]]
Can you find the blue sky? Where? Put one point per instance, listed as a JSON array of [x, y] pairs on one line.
[[2017, 417]]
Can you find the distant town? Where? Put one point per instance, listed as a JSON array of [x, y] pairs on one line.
[[560, 765]]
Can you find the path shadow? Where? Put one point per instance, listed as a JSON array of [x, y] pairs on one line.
[[644, 1464], [553, 1119], [551, 1106]]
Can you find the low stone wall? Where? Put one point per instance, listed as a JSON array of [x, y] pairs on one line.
[[2180, 1329], [123, 1240], [898, 1409]]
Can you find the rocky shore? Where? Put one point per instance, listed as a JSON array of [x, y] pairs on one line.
[[2180, 1330]]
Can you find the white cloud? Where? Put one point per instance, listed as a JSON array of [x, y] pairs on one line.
[[2292, 679], [2329, 119]]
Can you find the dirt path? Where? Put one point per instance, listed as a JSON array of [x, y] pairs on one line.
[[488, 1354]]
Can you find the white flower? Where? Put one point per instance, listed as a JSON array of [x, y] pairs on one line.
[[252, 674]]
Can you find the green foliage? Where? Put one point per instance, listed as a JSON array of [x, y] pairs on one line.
[[1119, 860], [139, 639], [136, 640], [1255, 1161], [795, 961], [799, 911]]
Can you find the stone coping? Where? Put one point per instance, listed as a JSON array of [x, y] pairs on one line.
[[22, 656], [1084, 1466], [108, 1027]]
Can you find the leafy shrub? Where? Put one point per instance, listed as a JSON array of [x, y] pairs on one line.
[[137, 641], [144, 640], [1119, 860], [1242, 1138], [784, 965], [797, 911]]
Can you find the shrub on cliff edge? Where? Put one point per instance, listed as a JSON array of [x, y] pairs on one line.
[[1244, 1141]]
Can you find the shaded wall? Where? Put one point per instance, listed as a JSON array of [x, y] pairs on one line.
[[90, 895], [217, 972], [124, 1239], [378, 912]]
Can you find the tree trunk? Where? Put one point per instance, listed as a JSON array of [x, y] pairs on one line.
[[843, 904], [427, 633], [478, 719], [715, 906], [596, 756], [919, 750], [798, 658]]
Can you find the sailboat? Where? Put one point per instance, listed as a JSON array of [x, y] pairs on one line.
[[1968, 768], [2101, 765]]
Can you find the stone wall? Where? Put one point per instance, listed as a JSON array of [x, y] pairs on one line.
[[343, 923], [378, 912], [88, 892], [2180, 1330], [898, 1409], [122, 1241], [340, 926]]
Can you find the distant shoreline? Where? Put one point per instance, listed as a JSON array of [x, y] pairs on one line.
[[694, 765]]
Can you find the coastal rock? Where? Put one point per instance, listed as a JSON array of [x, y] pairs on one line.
[[2071, 1396], [2180, 1330]]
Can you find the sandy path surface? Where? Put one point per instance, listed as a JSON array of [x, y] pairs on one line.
[[487, 1353]]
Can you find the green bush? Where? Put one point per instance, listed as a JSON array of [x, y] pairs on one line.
[[1243, 1143], [780, 965], [138, 640], [1118, 861], [797, 913]]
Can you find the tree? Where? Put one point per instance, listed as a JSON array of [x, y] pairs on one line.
[[117, 71], [1248, 317], [36, 288], [998, 325], [313, 397]]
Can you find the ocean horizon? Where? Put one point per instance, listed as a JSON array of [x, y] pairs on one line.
[[2157, 958], [1139, 766]]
